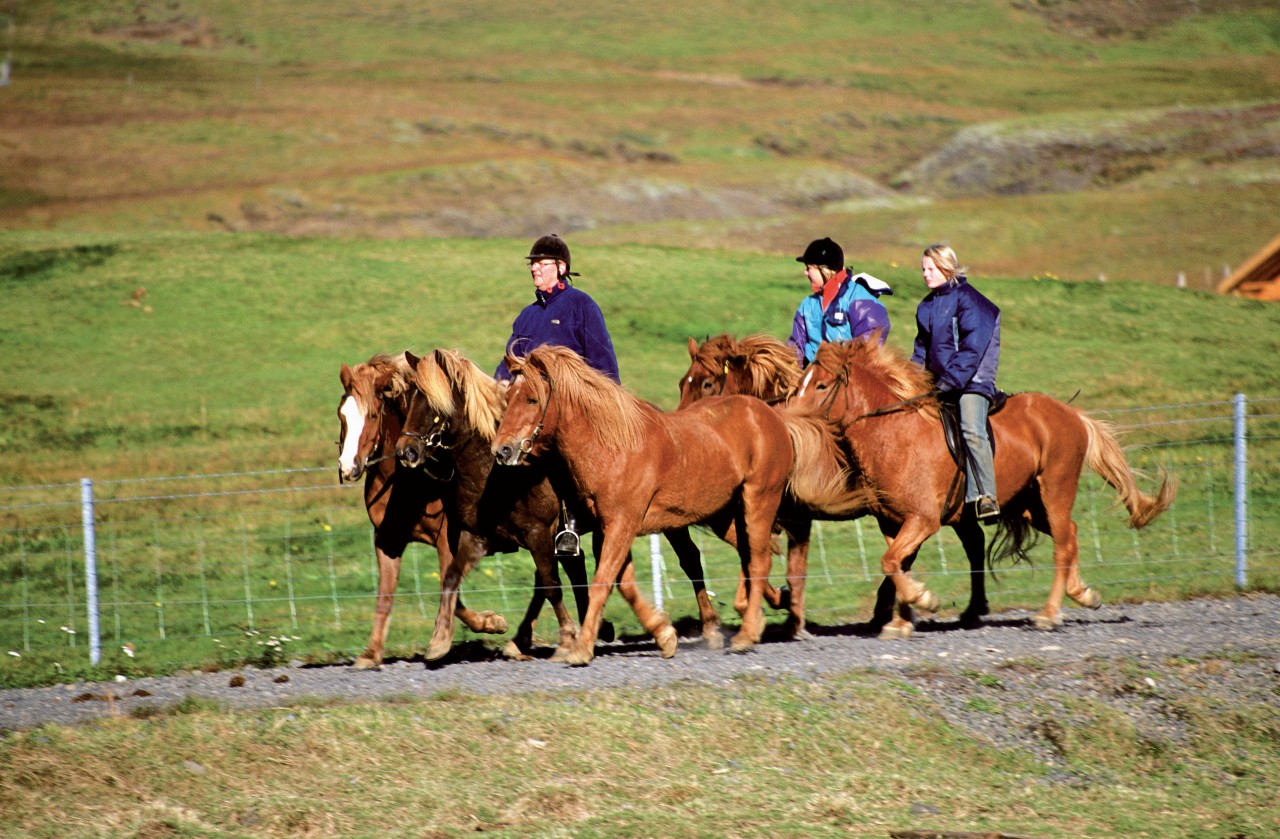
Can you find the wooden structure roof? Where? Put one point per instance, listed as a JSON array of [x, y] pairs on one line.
[[1257, 277]]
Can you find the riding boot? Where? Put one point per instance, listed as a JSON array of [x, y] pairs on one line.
[[567, 541]]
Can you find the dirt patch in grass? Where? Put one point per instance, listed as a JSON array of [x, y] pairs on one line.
[[1107, 19]]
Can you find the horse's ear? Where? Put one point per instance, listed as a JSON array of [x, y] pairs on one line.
[[514, 364], [738, 360], [346, 376], [412, 359], [693, 349]]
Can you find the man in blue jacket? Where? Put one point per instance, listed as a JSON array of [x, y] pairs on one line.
[[563, 316], [958, 340], [842, 307], [560, 314]]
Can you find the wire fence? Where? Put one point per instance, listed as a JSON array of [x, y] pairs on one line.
[[266, 565]]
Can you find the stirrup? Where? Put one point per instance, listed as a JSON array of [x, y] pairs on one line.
[[567, 543], [986, 507]]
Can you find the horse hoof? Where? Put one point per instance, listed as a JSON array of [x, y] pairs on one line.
[[715, 638], [579, 658], [561, 655], [492, 623], [1047, 622], [1089, 599], [784, 597], [970, 620], [512, 652], [740, 644], [365, 662], [605, 633], [896, 632], [435, 652], [667, 640], [927, 601]]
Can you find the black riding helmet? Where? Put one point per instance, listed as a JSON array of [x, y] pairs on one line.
[[823, 252], [551, 246]]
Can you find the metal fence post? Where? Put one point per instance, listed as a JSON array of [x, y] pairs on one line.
[[90, 569], [1242, 487], [655, 560]]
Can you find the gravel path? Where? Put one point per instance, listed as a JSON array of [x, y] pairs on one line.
[[1225, 647]]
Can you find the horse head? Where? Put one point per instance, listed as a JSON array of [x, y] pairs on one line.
[[369, 412], [528, 423], [454, 401], [850, 380], [758, 365]]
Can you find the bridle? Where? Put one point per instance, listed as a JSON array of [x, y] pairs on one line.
[[433, 440], [526, 445]]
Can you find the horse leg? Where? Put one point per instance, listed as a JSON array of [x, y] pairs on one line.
[[654, 621], [971, 538], [576, 568], [1066, 554], [887, 594], [754, 524], [691, 563], [388, 579], [896, 565], [776, 598], [521, 644], [797, 576], [614, 554], [452, 571]]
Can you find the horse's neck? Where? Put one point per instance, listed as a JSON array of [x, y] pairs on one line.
[[583, 454]]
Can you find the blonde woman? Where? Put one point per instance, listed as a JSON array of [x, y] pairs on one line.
[[958, 340]]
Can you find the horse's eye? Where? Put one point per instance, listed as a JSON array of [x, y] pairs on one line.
[[533, 400], [822, 386], [706, 384]]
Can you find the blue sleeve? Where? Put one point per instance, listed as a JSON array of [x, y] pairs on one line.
[[868, 315], [975, 326], [799, 336]]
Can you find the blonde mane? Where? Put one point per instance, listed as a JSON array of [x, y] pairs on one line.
[[615, 417], [885, 364], [446, 372], [771, 366], [383, 376]]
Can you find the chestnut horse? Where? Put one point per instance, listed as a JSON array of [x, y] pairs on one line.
[[404, 505], [724, 463], [450, 424], [765, 367], [885, 405]]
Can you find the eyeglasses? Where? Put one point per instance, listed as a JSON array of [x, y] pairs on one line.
[[542, 263]]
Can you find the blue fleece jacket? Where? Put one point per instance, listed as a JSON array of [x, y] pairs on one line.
[[958, 338], [565, 317]]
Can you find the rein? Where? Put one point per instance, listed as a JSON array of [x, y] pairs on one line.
[[896, 406]]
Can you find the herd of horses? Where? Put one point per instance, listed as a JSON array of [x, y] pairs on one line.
[[757, 447]]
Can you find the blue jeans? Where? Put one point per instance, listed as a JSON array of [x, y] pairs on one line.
[[980, 474]]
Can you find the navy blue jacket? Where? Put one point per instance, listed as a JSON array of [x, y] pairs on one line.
[[565, 317], [958, 338]]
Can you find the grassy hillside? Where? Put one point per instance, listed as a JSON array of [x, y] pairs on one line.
[[733, 126]]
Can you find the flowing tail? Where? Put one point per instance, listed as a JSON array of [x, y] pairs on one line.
[[1107, 459], [821, 479]]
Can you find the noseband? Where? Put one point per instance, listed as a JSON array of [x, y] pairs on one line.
[[432, 441]]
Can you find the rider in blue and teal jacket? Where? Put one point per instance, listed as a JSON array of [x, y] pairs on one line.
[[842, 307]]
